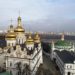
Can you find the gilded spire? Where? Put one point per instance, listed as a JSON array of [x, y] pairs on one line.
[[19, 28], [37, 38], [29, 39], [62, 36], [19, 20], [11, 34], [11, 27], [11, 21], [29, 35]]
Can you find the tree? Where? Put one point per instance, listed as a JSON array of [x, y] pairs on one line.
[[22, 69], [26, 70], [18, 67]]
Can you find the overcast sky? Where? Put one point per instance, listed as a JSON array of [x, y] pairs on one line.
[[39, 15]]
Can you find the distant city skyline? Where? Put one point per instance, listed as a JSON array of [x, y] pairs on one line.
[[39, 15]]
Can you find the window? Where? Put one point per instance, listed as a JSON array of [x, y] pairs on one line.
[[12, 44], [69, 66], [10, 72], [19, 41], [10, 64], [68, 73], [8, 44]]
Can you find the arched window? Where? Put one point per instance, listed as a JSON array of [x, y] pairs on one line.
[[22, 40], [10, 72], [54, 59], [69, 73], [19, 41], [10, 64], [12, 44], [8, 44]]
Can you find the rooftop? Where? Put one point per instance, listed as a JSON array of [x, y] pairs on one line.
[[66, 56], [63, 43]]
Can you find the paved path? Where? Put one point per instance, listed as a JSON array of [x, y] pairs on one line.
[[48, 64]]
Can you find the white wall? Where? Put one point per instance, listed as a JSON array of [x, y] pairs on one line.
[[11, 42]]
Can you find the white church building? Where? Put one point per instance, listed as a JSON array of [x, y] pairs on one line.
[[23, 54], [63, 54]]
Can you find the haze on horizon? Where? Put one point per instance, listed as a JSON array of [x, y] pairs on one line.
[[39, 15]]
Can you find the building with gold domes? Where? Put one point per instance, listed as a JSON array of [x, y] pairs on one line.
[[23, 54], [20, 32], [11, 37]]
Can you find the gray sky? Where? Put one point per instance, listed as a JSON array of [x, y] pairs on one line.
[[39, 15]]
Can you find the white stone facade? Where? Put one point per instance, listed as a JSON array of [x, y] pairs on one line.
[[20, 38], [11, 42], [32, 60], [65, 68], [23, 56]]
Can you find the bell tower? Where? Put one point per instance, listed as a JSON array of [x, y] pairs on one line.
[[62, 36]]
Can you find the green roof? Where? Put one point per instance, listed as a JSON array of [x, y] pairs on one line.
[[63, 43], [5, 73]]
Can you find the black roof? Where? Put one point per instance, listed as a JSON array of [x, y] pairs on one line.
[[66, 56]]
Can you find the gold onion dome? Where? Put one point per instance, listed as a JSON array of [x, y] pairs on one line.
[[19, 18], [37, 38], [11, 34], [19, 28], [29, 39]]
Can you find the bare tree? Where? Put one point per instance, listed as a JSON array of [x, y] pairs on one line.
[[18, 67], [26, 70], [22, 69]]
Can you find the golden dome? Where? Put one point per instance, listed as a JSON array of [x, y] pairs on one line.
[[11, 34], [37, 38], [19, 18], [29, 39], [19, 28]]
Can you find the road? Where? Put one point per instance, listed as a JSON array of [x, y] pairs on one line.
[[48, 64]]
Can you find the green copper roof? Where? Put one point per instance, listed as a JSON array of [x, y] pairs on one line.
[[63, 43], [5, 73]]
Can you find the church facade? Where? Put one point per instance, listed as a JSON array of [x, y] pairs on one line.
[[23, 54], [63, 54]]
